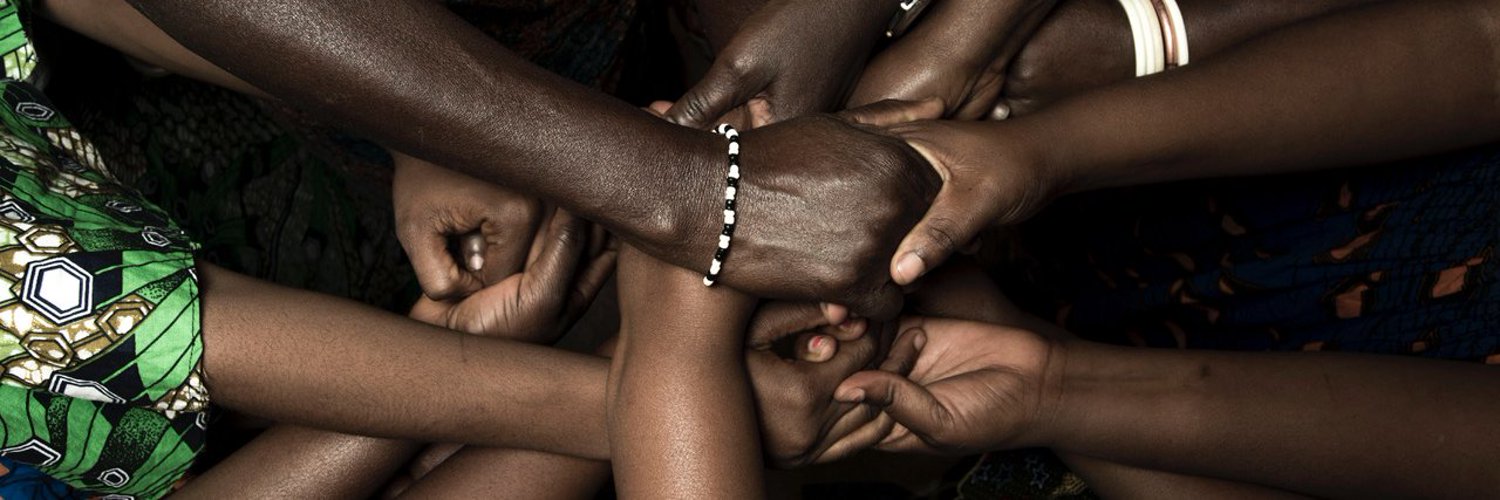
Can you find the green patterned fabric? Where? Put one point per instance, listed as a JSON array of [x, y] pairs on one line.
[[100, 341], [16, 51]]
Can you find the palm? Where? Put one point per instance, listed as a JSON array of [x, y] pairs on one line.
[[975, 387]]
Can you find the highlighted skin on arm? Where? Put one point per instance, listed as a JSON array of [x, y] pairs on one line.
[[681, 419]]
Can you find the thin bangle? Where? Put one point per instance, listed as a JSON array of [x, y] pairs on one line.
[[1168, 35], [1179, 30], [730, 193]]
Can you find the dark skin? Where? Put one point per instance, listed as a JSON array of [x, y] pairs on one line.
[[659, 187], [1086, 44], [680, 417], [1258, 418], [1246, 120], [961, 290], [790, 58], [958, 52]]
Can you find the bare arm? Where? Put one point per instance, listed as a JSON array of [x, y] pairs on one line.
[[681, 420], [1367, 85], [1086, 44], [1332, 425], [116, 24], [297, 462], [1357, 87]]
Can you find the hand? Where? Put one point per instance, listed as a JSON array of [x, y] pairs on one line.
[[1083, 45], [562, 275], [962, 290], [433, 204], [989, 177], [792, 57], [959, 52], [801, 422], [975, 387], [822, 203]]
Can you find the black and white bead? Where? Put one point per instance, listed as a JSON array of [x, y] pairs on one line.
[[730, 191]]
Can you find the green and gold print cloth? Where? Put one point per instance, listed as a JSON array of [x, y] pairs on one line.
[[100, 345]]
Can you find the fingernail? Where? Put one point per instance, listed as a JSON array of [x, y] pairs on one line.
[[816, 342], [909, 268], [855, 395], [920, 341], [476, 262]]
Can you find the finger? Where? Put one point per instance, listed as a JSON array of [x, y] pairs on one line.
[[429, 311], [834, 313], [778, 319], [508, 233], [550, 275], [720, 90], [850, 330], [1002, 111], [590, 281], [868, 433], [598, 240], [904, 352], [905, 401], [891, 111], [437, 273], [816, 348], [472, 247], [659, 108], [953, 220], [850, 358]]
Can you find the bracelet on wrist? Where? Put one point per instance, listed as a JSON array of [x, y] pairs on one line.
[[730, 193]]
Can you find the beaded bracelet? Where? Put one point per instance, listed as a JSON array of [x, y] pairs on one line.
[[729, 193]]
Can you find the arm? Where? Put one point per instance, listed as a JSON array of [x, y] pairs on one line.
[[296, 462], [1356, 87], [116, 24], [680, 415], [1321, 424], [460, 100], [1330, 425], [1086, 44]]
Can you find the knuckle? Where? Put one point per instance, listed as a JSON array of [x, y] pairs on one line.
[[943, 234], [738, 65]]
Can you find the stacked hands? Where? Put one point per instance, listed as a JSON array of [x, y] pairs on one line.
[[849, 208]]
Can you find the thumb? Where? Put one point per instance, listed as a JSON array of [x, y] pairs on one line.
[[905, 401], [549, 275], [950, 224], [719, 91], [891, 112]]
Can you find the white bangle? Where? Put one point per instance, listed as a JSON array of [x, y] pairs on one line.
[[1145, 29]]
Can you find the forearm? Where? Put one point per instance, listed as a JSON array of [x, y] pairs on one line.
[[116, 24], [1112, 480], [681, 419], [1086, 44], [295, 462], [307, 359], [476, 472], [1315, 423], [413, 76], [1356, 87]]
